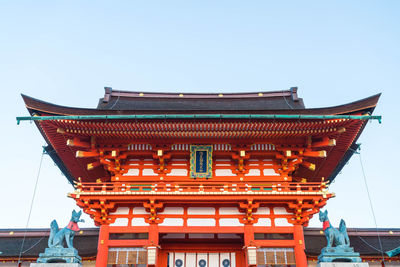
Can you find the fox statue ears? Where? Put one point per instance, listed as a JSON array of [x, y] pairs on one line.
[[323, 214], [74, 213]]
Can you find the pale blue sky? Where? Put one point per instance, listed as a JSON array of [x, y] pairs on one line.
[[65, 52]]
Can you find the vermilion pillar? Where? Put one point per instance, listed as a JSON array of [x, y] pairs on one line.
[[300, 254], [248, 240], [102, 248], [153, 239]]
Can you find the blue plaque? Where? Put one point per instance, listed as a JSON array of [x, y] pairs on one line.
[[201, 161]]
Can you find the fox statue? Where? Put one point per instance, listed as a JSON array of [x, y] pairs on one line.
[[57, 236], [336, 237]]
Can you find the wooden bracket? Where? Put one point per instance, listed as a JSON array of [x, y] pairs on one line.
[[153, 208], [249, 208]]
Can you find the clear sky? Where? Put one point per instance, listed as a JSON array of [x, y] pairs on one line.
[[65, 52]]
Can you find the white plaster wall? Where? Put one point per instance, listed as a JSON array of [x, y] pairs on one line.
[[253, 172], [224, 172], [178, 172], [282, 222], [172, 210], [201, 210], [132, 172], [263, 211], [121, 210], [120, 222], [263, 222], [280, 210], [139, 210], [230, 222], [172, 222], [139, 222], [200, 222], [149, 172], [270, 172], [229, 211]]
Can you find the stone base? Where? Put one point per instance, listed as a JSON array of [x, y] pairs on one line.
[[55, 265], [59, 256], [339, 255], [342, 264]]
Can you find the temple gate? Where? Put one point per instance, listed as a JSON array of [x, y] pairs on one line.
[[201, 179]]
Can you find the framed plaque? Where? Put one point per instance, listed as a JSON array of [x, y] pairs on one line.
[[201, 161]]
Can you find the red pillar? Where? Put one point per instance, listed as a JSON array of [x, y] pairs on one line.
[[299, 253], [248, 240], [153, 240], [102, 247]]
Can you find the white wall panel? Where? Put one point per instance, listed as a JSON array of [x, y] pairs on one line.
[[172, 210], [263, 222], [149, 172], [224, 172], [201, 211], [280, 210], [270, 172], [253, 172], [282, 222], [263, 211], [178, 172], [120, 222], [229, 211], [131, 172], [213, 260], [139, 222], [190, 259], [201, 222], [121, 210], [230, 222], [139, 210], [172, 222]]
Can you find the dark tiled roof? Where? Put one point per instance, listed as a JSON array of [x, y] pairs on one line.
[[36, 242], [137, 101], [240, 104], [364, 241]]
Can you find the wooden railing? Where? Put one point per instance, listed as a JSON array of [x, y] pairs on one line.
[[200, 187]]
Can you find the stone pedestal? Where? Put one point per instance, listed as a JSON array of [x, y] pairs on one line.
[[59, 256], [55, 265], [342, 264], [338, 255]]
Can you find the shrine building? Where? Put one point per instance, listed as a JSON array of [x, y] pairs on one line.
[[208, 180]]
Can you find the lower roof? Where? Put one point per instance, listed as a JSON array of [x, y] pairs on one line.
[[364, 240]]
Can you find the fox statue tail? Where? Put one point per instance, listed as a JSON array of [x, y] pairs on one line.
[[53, 230], [343, 231]]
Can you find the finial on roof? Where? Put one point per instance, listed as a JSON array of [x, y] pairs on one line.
[[107, 94], [293, 91]]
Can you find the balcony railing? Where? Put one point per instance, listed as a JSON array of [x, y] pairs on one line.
[[200, 187]]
